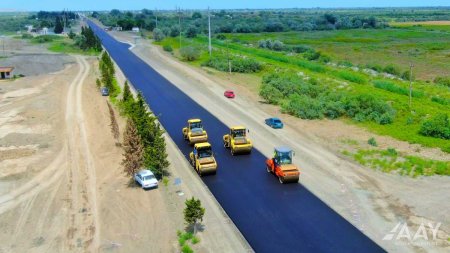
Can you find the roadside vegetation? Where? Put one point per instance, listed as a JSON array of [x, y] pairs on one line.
[[389, 160], [193, 215], [309, 83], [144, 143], [14, 22]]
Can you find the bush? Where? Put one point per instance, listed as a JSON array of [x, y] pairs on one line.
[[238, 64], [195, 240], [440, 100], [168, 48], [372, 142], [406, 76], [303, 107], [391, 69], [300, 49], [366, 107], [442, 80], [186, 249], [221, 37], [352, 76], [270, 94], [27, 36], [191, 32], [190, 53], [375, 67], [392, 87], [158, 34], [274, 45], [438, 127], [311, 55]]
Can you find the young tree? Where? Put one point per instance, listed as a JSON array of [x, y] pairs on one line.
[[114, 126], [133, 149], [127, 96], [193, 212], [58, 25], [156, 156]]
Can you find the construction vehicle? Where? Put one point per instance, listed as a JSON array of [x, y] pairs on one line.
[[281, 165], [237, 141], [194, 132], [202, 159]]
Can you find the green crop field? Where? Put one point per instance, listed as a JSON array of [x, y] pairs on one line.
[[426, 47]]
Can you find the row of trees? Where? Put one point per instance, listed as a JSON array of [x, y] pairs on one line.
[[195, 22], [87, 40], [147, 147]]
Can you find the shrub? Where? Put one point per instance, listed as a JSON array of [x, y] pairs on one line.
[[190, 53], [438, 127], [366, 107], [352, 76], [300, 49], [407, 76], [195, 240], [375, 67], [191, 32], [372, 142], [158, 34], [270, 94], [442, 80], [168, 48], [275, 45], [311, 55], [238, 64], [303, 107], [186, 249], [392, 87], [221, 37], [391, 69], [27, 36], [440, 100]]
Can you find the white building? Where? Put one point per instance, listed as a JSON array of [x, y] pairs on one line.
[[135, 29]]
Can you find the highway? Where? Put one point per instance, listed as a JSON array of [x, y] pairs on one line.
[[271, 216]]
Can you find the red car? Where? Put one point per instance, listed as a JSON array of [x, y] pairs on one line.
[[229, 94]]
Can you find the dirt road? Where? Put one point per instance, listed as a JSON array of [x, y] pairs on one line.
[[374, 202], [62, 188]]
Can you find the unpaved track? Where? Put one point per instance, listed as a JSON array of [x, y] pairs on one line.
[[70, 177]]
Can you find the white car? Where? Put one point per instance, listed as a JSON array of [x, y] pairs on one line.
[[146, 179]]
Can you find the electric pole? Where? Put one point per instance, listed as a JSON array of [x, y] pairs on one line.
[[410, 84], [179, 23], [209, 34], [156, 18]]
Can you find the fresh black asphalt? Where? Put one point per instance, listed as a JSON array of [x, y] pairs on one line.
[[271, 216]]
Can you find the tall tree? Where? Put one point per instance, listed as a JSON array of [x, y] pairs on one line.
[[193, 212], [156, 156], [133, 149], [58, 25], [127, 96]]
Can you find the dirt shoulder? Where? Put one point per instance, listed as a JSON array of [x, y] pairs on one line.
[[372, 201], [61, 183]]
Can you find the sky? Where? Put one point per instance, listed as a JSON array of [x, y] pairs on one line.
[[35, 5]]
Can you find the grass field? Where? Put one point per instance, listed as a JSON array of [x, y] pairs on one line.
[[427, 49], [59, 44]]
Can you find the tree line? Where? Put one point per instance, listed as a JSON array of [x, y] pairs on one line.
[[144, 144], [250, 21]]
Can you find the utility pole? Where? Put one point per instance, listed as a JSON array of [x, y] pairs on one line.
[[179, 23], [209, 34], [410, 84], [228, 57], [156, 18], [3, 44]]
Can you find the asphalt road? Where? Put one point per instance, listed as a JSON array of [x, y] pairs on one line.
[[271, 216]]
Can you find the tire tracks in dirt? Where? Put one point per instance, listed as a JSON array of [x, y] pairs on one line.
[[83, 231]]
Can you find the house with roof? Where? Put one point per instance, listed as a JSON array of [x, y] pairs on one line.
[[6, 73]]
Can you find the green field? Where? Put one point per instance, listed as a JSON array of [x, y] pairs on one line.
[[425, 47]]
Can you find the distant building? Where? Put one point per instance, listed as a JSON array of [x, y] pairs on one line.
[[135, 29], [6, 72], [44, 31], [29, 28], [118, 28]]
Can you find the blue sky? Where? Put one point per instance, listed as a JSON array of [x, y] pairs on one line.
[[33, 5]]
